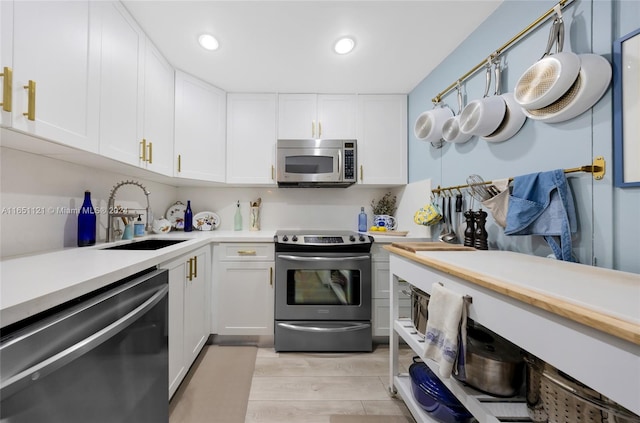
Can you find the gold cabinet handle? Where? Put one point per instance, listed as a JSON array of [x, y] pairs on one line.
[[361, 173], [150, 156], [7, 83], [179, 163], [319, 129], [273, 171], [143, 150], [271, 276], [190, 277], [31, 105], [313, 129], [246, 252], [195, 266]]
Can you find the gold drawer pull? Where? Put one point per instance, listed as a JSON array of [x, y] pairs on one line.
[[143, 150], [246, 252], [31, 96], [150, 158], [195, 266], [7, 83]]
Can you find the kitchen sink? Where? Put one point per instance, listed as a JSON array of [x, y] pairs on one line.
[[147, 244]]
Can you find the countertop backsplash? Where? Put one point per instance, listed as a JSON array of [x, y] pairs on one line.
[[37, 207]]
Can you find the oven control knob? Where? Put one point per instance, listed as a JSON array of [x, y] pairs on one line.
[[361, 238], [352, 238], [285, 238], [294, 238]]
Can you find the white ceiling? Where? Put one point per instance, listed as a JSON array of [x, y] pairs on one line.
[[286, 46]]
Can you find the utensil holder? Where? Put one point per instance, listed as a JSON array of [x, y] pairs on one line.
[[254, 219]]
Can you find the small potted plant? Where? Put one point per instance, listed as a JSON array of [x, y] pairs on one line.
[[383, 211]]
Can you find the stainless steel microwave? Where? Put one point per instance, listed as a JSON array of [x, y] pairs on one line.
[[316, 163]]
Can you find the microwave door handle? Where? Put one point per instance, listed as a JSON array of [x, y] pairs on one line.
[[315, 258], [340, 163]]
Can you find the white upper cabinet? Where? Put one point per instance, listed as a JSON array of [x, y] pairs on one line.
[[329, 116], [50, 42], [200, 115], [251, 138], [159, 91], [121, 83], [382, 139]]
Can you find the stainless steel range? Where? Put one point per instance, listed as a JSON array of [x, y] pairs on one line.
[[323, 291]]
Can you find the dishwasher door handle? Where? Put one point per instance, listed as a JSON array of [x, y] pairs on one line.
[[53, 363], [316, 329], [319, 258]]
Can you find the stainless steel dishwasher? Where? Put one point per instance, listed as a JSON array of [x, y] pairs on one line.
[[100, 358]]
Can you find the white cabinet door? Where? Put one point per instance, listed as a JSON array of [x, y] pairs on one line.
[[251, 138], [196, 312], [158, 112], [177, 363], [329, 116], [189, 294], [52, 54], [382, 139], [6, 62], [297, 116], [121, 83], [200, 116], [337, 116], [245, 298]]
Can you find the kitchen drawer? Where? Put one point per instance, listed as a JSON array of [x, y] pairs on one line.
[[245, 252]]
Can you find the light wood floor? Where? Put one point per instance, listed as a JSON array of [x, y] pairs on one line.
[[310, 387]]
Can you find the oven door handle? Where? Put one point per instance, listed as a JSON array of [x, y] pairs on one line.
[[53, 363], [318, 258], [324, 330]]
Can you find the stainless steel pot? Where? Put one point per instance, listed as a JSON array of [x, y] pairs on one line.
[[492, 364]]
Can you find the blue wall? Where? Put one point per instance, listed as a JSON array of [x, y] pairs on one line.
[[608, 233]]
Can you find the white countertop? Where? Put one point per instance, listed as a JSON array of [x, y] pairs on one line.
[[33, 283], [30, 284], [605, 299]]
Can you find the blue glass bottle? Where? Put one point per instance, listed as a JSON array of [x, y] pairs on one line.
[[188, 218], [86, 222], [362, 221]]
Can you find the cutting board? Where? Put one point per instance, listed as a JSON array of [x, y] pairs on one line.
[[389, 233], [410, 199], [430, 246]]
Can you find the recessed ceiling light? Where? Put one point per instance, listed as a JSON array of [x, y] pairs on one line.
[[208, 41], [344, 45]]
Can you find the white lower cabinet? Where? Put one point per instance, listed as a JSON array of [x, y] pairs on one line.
[[380, 311], [189, 282], [243, 293]]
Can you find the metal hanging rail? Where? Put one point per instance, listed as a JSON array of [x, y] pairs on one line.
[[561, 4], [598, 169]]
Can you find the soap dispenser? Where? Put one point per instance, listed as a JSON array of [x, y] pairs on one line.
[[237, 219], [138, 227]]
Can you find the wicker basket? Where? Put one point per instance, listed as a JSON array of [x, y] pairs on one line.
[[554, 397]]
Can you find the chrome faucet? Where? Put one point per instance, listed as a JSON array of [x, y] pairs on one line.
[[113, 215]]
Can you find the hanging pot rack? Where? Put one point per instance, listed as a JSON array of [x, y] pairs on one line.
[[597, 168], [496, 54]]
